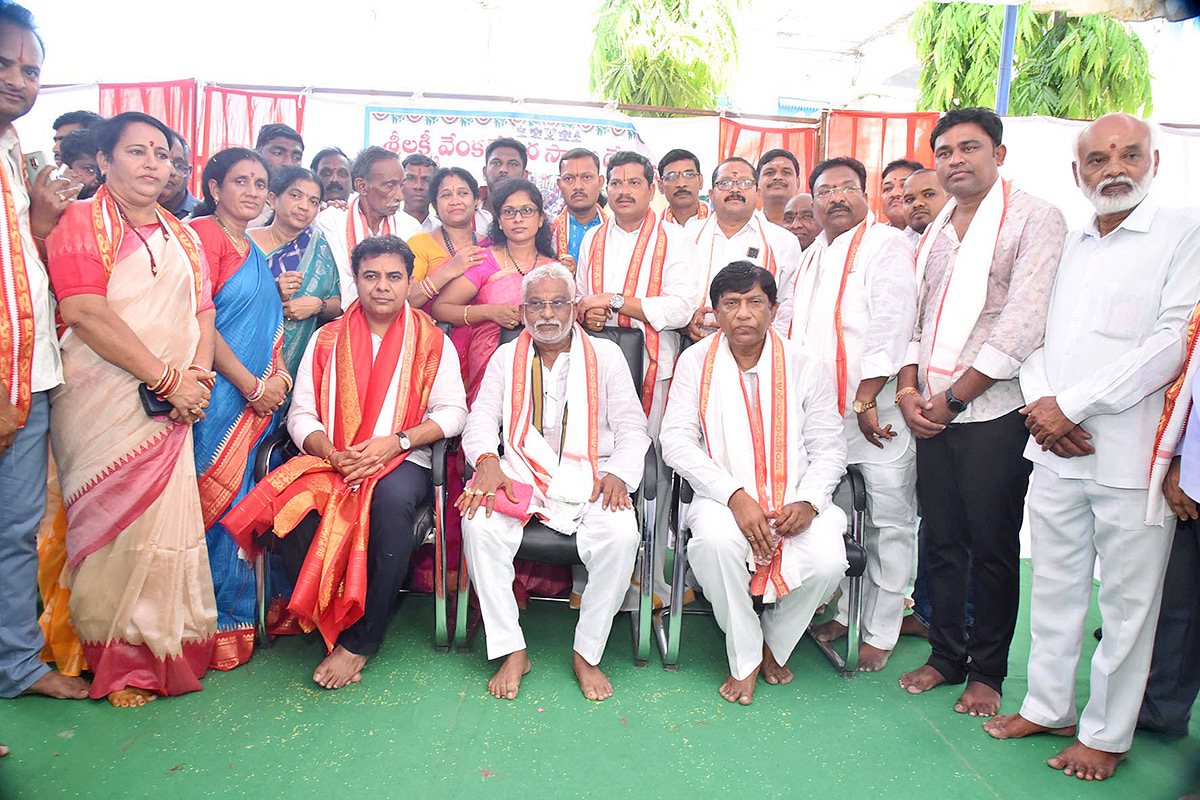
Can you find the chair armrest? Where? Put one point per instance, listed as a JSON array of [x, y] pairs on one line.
[[438, 462], [262, 456], [685, 491], [650, 475], [858, 488]]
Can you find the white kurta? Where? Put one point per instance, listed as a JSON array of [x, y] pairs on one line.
[[714, 250], [607, 540], [407, 226], [332, 223], [1114, 335], [718, 551]]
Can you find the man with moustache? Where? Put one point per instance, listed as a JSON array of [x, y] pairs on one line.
[[778, 176], [801, 221], [854, 305], [680, 181], [736, 231], [378, 185], [570, 467], [923, 200], [176, 197], [1122, 300], [984, 275], [418, 169], [280, 146], [892, 190], [332, 168], [579, 184], [504, 158]]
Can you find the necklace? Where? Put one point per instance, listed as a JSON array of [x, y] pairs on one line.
[[138, 234], [239, 247], [513, 261], [450, 247]]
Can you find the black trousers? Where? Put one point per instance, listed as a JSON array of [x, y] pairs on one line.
[[389, 549], [1175, 667], [972, 480]]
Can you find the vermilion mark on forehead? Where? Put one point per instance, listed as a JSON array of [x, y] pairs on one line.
[[1112, 146]]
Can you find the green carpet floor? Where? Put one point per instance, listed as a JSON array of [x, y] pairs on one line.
[[422, 725]]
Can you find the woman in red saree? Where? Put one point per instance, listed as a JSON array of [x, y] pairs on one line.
[[135, 301]]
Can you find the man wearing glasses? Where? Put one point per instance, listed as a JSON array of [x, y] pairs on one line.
[[680, 181], [175, 196], [579, 184], [736, 231]]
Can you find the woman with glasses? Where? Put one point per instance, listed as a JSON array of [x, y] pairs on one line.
[[452, 248], [175, 196]]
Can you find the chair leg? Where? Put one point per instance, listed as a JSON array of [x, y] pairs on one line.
[[462, 635], [854, 599], [642, 617], [441, 622], [261, 599], [674, 627]]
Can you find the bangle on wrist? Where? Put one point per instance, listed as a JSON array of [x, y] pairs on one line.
[[905, 392], [485, 457], [466, 321], [260, 388]]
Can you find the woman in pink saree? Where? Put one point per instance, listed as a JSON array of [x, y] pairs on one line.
[[135, 300]]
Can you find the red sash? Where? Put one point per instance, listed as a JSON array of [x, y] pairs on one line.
[[842, 379], [632, 275], [331, 591], [355, 212], [702, 212], [16, 307]]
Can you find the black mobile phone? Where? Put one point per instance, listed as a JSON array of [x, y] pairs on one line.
[[151, 404]]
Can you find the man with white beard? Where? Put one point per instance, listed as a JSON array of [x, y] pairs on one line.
[[1126, 286]]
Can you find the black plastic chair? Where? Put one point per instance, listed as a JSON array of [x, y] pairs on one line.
[[429, 527], [543, 544], [668, 622]]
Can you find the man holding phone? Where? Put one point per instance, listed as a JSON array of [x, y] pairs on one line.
[[29, 366]]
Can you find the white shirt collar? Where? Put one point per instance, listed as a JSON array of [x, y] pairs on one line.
[[1138, 220]]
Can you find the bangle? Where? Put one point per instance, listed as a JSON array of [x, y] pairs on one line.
[[287, 378], [260, 388], [207, 383], [905, 392], [485, 457], [426, 286], [169, 385], [466, 321], [162, 380]]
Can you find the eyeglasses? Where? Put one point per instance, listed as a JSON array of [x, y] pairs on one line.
[[538, 306], [675, 177], [182, 167], [827, 192], [742, 183], [508, 212]]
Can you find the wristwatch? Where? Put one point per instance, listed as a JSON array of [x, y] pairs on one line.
[[617, 302], [955, 405], [859, 406], [405, 444]]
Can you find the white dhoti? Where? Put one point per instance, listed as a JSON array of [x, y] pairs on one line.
[[718, 555], [608, 543], [1072, 522], [890, 538]]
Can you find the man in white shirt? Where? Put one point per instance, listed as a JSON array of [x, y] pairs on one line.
[[332, 168], [504, 158], [418, 169], [854, 305], [800, 219], [1125, 290], [892, 190], [345, 508], [752, 425], [680, 181], [378, 182], [778, 175], [29, 368], [923, 200], [280, 146], [579, 454], [735, 231]]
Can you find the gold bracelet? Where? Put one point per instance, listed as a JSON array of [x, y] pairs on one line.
[[466, 321], [905, 392]]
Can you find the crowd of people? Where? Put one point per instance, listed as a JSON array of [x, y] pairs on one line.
[[973, 357]]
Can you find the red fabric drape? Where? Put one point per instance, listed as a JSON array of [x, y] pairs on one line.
[[173, 102], [232, 117], [876, 139], [751, 141]]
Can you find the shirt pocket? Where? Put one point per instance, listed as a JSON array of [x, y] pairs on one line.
[[1124, 310]]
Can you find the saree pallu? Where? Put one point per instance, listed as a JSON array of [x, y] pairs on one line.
[[250, 320], [141, 594], [308, 254]]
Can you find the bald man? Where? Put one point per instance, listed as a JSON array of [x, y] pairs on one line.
[[1126, 286], [801, 220]]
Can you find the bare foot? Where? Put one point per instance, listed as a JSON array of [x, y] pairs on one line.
[[978, 700], [773, 672], [1085, 763], [872, 659], [130, 697], [3, 750], [921, 679], [341, 667], [1014, 726], [505, 684], [55, 684], [742, 691], [911, 626], [829, 631], [592, 682]]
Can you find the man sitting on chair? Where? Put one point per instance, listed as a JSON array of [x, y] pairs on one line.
[[574, 435], [374, 390], [752, 423]]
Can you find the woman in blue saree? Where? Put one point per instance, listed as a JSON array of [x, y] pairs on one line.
[[300, 260], [252, 382]]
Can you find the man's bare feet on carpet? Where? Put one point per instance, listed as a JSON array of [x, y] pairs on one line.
[[3, 750], [340, 668], [921, 679], [60, 687], [592, 682], [911, 626], [506, 683], [773, 672], [1014, 726], [871, 658], [978, 700], [129, 697], [1087, 764], [742, 691], [829, 631]]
